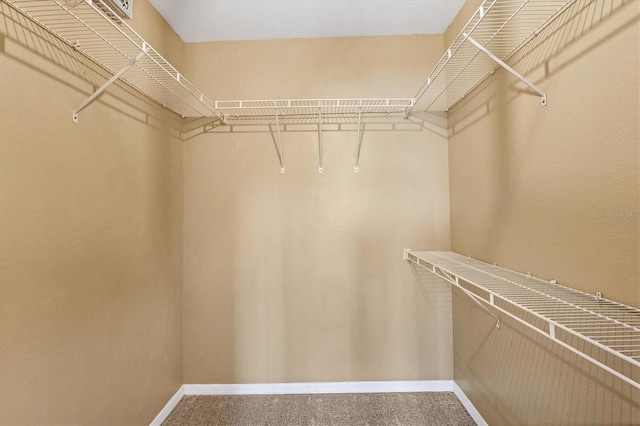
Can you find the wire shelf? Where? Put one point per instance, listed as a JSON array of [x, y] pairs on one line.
[[238, 110], [91, 27], [559, 313], [500, 26]]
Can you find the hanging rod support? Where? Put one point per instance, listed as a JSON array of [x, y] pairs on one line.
[[319, 140], [279, 145], [515, 73], [359, 145], [109, 82]]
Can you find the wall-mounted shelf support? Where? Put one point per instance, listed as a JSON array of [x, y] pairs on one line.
[[319, 140], [314, 112], [579, 322], [108, 83], [515, 73], [359, 142], [279, 144], [474, 297]]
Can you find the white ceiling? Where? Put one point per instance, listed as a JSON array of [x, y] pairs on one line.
[[217, 20]]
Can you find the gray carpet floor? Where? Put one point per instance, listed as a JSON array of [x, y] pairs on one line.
[[424, 408]]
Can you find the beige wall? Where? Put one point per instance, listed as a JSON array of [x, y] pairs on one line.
[[533, 189], [536, 189], [466, 12], [299, 277], [90, 239], [515, 376]]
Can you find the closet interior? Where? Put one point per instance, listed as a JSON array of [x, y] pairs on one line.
[[515, 53]]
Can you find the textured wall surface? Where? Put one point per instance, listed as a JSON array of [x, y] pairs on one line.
[[90, 238], [299, 277], [553, 191]]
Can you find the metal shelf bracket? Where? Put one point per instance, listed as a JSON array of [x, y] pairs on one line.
[[108, 83], [359, 142], [479, 301], [453, 280], [279, 144], [515, 73], [319, 140]]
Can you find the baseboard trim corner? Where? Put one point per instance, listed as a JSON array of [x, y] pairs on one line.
[[468, 405], [164, 413]]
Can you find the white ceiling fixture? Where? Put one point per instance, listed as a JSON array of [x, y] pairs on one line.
[[219, 20]]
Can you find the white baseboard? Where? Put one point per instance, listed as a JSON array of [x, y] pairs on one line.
[[473, 412], [320, 387], [164, 413]]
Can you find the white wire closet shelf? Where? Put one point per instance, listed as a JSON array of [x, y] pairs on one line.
[[280, 108], [583, 323], [92, 28], [493, 34], [314, 111]]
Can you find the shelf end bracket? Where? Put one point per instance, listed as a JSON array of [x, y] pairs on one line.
[[405, 254], [359, 145], [319, 140], [279, 144], [543, 96], [453, 280], [108, 83]]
